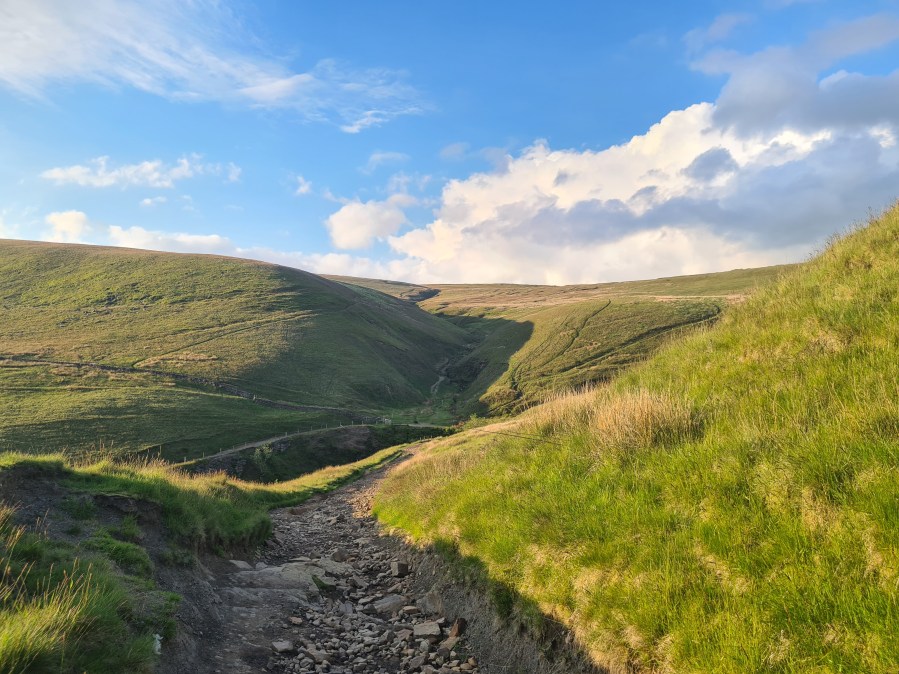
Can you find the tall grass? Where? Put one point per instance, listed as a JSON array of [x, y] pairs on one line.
[[75, 609], [731, 505], [57, 614]]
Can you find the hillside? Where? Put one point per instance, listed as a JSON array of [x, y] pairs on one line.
[[122, 348], [530, 341], [182, 355], [730, 505]]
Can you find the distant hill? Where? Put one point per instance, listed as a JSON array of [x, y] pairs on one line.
[[530, 341], [183, 355], [262, 330]]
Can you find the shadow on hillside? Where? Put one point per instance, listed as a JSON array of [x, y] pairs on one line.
[[365, 362], [485, 363], [524, 640]]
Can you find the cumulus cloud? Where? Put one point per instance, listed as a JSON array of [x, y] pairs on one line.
[[67, 227], [685, 197], [188, 51], [781, 160], [152, 173], [782, 87], [358, 223], [233, 173], [150, 202]]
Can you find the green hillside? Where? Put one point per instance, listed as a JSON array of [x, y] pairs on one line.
[[122, 348], [731, 505], [531, 341]]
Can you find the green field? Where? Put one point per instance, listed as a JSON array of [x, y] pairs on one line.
[[731, 505]]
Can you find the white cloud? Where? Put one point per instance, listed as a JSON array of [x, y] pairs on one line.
[[357, 224], [233, 173], [150, 202], [188, 51], [782, 87], [138, 237], [380, 158], [304, 187], [152, 173], [67, 227], [76, 227], [7, 230], [783, 159]]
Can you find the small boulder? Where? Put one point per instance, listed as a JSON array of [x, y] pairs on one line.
[[240, 564], [340, 555], [399, 569], [428, 630], [389, 604], [458, 628], [431, 603], [282, 646], [448, 644]]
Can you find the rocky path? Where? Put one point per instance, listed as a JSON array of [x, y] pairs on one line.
[[329, 594]]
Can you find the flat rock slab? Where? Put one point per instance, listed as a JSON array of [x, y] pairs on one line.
[[293, 575], [427, 630], [282, 646], [389, 604]]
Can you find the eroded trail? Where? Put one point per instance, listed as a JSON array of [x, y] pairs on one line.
[[329, 594]]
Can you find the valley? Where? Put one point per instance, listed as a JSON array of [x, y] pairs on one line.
[[582, 501]]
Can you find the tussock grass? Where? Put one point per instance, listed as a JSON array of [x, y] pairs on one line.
[[731, 505], [58, 613], [614, 422], [66, 608]]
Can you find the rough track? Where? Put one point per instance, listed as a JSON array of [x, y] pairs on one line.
[[331, 595]]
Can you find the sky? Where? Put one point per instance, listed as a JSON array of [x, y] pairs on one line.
[[463, 142]]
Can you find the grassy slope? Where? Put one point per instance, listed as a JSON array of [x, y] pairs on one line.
[[534, 340], [730, 505], [277, 332], [93, 606]]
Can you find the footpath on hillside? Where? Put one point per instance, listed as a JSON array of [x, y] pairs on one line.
[[330, 592], [327, 594]]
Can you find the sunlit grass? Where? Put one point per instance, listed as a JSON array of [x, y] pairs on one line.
[[732, 505]]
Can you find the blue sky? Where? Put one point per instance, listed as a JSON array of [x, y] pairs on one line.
[[457, 142]]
